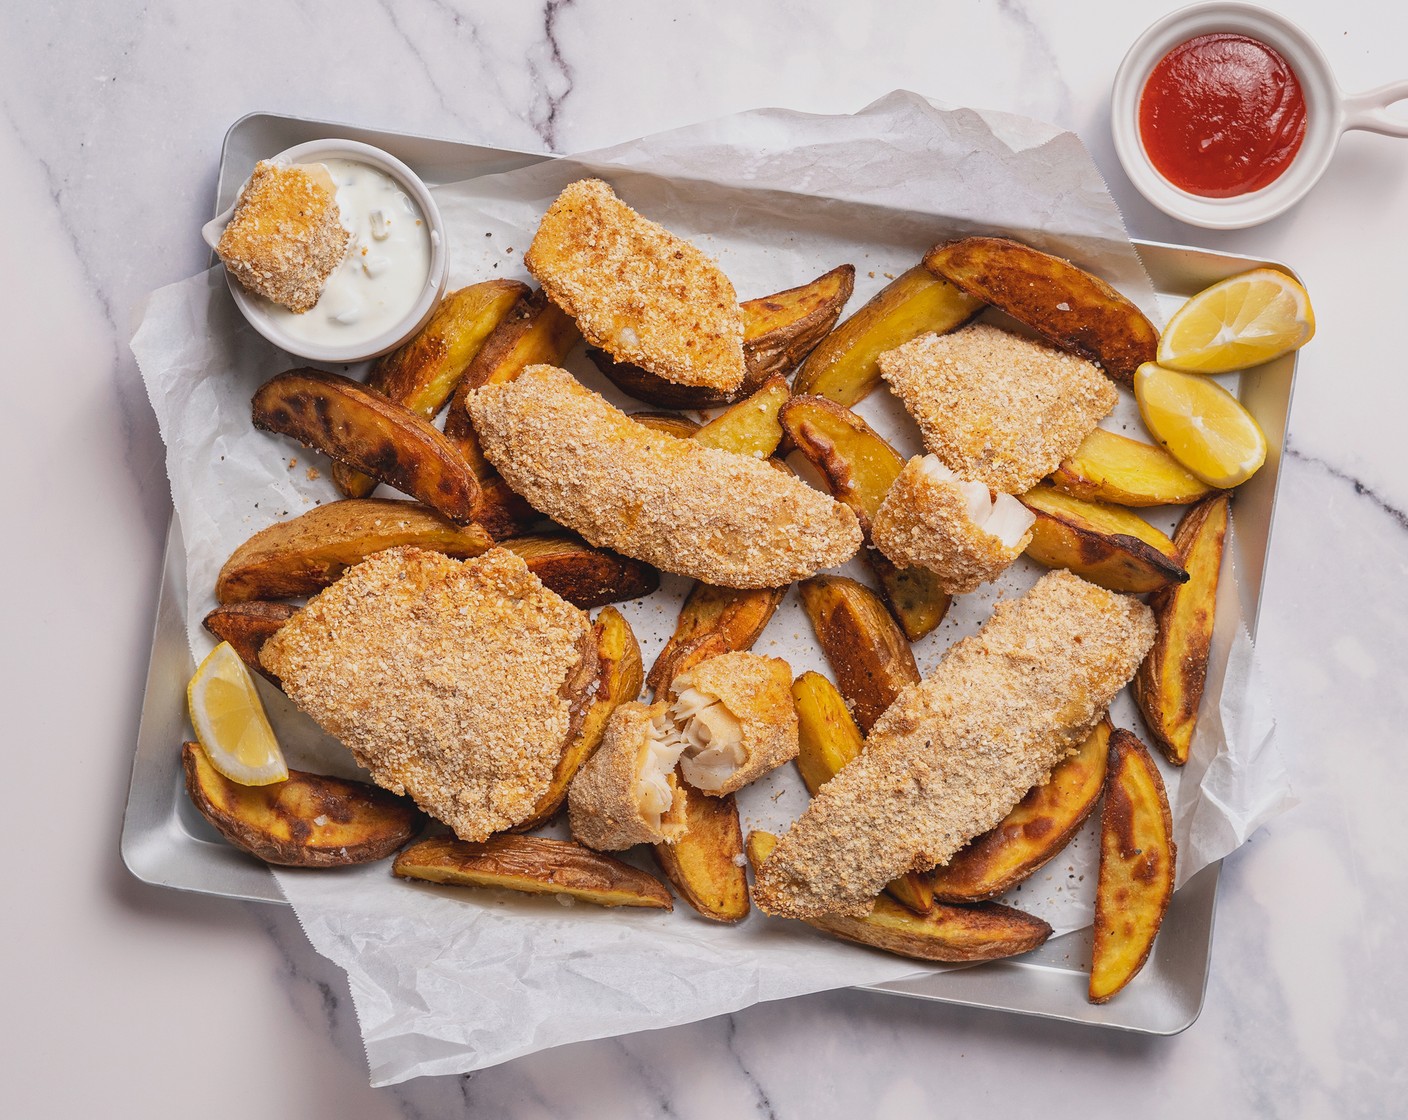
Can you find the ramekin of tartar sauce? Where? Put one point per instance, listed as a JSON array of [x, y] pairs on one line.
[[392, 275], [1225, 115]]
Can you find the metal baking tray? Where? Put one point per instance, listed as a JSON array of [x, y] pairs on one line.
[[167, 843]]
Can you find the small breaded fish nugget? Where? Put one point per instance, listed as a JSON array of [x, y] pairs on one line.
[[637, 291], [955, 753], [997, 407], [627, 793], [725, 519]]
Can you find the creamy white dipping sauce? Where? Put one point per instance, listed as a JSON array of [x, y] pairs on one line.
[[383, 272]]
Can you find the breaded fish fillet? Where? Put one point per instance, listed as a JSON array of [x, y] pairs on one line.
[[996, 407], [953, 754], [458, 683], [693, 510], [636, 290]]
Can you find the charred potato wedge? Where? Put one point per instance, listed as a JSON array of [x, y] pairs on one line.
[[713, 620], [985, 932], [1108, 467], [671, 423], [866, 650], [1031, 834], [916, 598], [586, 577], [1137, 861], [1105, 544], [704, 865], [307, 821], [247, 626], [751, 423], [534, 865], [357, 426], [843, 366], [1169, 685], [1066, 305], [305, 554]]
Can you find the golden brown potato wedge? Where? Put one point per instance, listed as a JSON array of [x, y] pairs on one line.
[[308, 552], [357, 426], [671, 423], [843, 366], [1063, 303], [586, 577], [984, 932], [916, 598], [713, 620], [866, 650], [1105, 544], [704, 865], [751, 423], [1169, 685], [1108, 467], [307, 821], [1031, 834], [1137, 859], [247, 626], [423, 373], [534, 865]]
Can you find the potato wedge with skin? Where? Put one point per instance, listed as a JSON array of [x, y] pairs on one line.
[[843, 366], [1137, 863], [751, 423], [1105, 544], [1063, 303], [422, 374], [1169, 685], [354, 425], [586, 577], [984, 932], [865, 648], [704, 864], [713, 620], [1108, 467], [247, 626], [1031, 834], [310, 820], [671, 423], [915, 596], [534, 865]]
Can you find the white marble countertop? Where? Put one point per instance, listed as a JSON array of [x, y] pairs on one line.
[[125, 1000]]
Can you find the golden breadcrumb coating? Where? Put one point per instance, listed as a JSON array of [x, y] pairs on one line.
[[286, 235], [636, 290], [458, 683], [996, 407], [726, 519], [757, 692], [953, 754], [925, 522], [604, 802]]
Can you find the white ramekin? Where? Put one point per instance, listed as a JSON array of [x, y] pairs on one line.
[[1329, 114], [436, 278]]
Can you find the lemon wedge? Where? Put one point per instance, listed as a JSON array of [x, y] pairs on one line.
[[1239, 322], [230, 723], [1200, 424]]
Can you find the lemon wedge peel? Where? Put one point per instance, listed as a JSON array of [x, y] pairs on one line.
[[1200, 424], [1246, 320], [230, 723]]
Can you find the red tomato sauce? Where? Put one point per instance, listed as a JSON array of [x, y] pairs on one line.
[[1222, 115]]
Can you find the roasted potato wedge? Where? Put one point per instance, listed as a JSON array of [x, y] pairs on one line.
[[305, 554], [1063, 303], [1031, 834], [713, 620], [247, 626], [1169, 685], [751, 423], [534, 865], [704, 865], [1105, 544], [916, 598], [1108, 467], [358, 426], [586, 577], [983, 932], [671, 423], [423, 373], [866, 650], [307, 821], [1137, 861], [843, 366]]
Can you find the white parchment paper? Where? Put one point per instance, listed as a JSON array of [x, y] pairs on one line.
[[447, 981]]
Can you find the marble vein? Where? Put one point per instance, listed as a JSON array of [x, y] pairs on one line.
[[557, 72], [1361, 488]]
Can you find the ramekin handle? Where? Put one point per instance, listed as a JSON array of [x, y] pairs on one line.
[[1369, 111]]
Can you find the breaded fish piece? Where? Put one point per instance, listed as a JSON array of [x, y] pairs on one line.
[[956, 752], [737, 719], [997, 407], [627, 793], [636, 290], [726, 519], [932, 519], [458, 683]]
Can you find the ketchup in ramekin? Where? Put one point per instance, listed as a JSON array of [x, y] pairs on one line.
[[1222, 115]]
